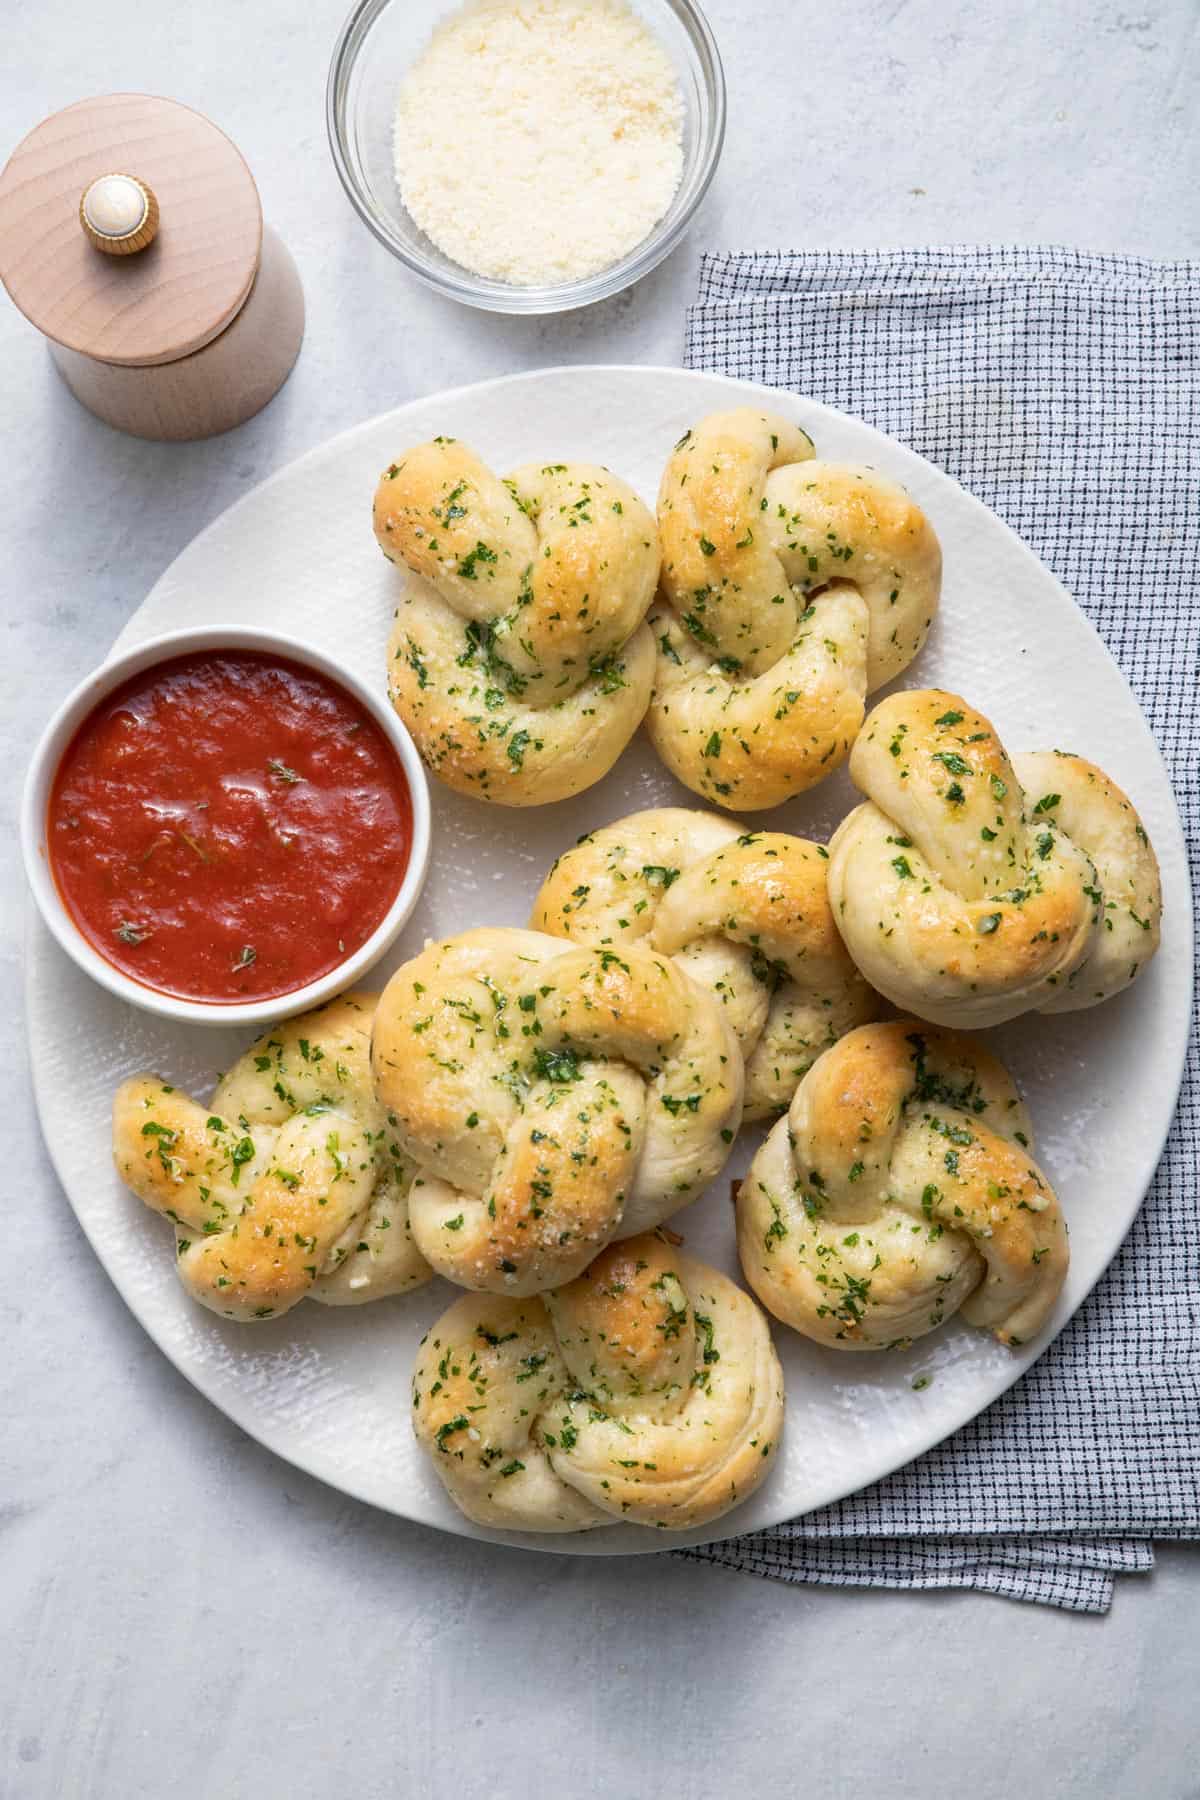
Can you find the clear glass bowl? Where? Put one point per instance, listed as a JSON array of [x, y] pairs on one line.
[[378, 44]]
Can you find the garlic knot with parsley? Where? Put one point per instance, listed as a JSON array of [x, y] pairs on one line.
[[520, 659], [648, 1390], [553, 1097], [290, 1183], [791, 588], [745, 913], [899, 1190], [973, 886]]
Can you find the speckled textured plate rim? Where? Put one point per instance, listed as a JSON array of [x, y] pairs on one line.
[[772, 1504]]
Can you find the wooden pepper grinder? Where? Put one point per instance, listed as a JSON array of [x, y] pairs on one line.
[[132, 235]]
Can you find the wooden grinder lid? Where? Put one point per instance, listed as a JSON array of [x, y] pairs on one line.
[[167, 299]]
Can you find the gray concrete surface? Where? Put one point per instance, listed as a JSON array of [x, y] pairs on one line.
[[185, 1615]]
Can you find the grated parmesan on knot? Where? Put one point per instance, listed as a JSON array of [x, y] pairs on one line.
[[539, 141]]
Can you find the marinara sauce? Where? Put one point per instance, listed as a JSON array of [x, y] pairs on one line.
[[228, 826]]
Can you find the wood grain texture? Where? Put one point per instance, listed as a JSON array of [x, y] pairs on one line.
[[171, 298], [218, 386]]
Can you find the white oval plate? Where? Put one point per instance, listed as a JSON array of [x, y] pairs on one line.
[[327, 1388]]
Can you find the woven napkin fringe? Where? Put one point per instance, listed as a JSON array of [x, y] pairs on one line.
[[740, 276], [1060, 387], [1075, 1575]]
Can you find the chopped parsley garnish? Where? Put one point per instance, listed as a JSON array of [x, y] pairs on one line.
[[241, 1153], [469, 565], [557, 1066], [676, 1104], [710, 1354]]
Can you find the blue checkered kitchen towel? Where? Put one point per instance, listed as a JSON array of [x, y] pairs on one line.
[[1063, 1483]]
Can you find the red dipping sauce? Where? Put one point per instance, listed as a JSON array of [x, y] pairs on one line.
[[228, 826]]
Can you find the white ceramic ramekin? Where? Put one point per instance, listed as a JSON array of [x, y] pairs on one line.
[[58, 734]]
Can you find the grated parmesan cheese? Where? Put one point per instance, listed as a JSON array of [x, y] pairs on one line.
[[539, 141]]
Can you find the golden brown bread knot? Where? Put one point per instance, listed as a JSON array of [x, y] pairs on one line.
[[291, 1182], [900, 1189], [648, 1390], [971, 887], [554, 1098], [790, 589], [521, 663], [746, 914]]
